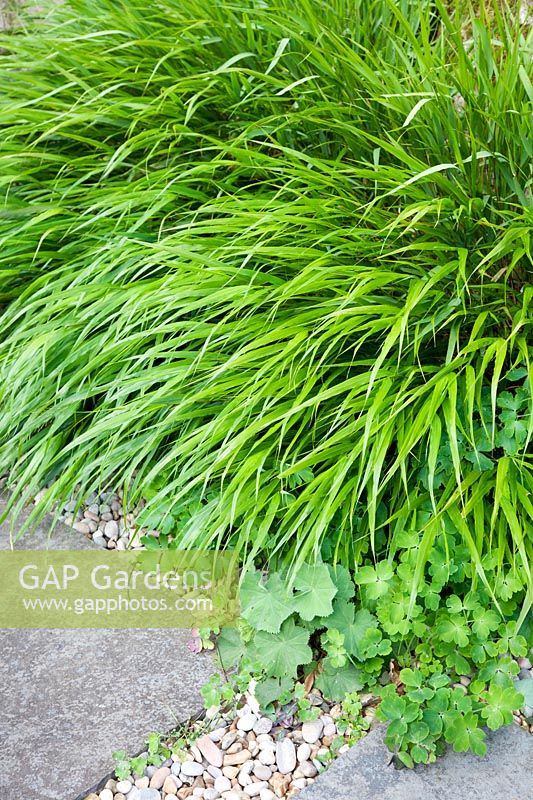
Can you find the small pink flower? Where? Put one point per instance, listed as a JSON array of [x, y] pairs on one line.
[[195, 643]]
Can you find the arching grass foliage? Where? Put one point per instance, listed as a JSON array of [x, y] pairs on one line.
[[273, 261]]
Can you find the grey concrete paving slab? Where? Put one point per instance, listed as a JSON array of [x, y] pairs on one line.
[[43, 536], [69, 698], [364, 773]]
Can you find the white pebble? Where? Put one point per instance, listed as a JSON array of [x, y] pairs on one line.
[[263, 772], [308, 769], [303, 752], [244, 778], [246, 722], [285, 756], [111, 529], [217, 734], [267, 756], [264, 740], [312, 731], [222, 784], [192, 769], [214, 771], [106, 794], [262, 725], [124, 786], [255, 788]]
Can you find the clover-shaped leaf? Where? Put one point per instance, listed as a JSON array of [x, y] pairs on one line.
[[454, 629], [357, 634], [463, 733], [506, 585], [416, 686], [509, 401], [485, 621], [376, 579], [393, 706], [500, 671], [418, 731], [458, 662], [500, 701]]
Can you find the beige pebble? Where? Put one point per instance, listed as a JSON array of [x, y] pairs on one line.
[[171, 784], [230, 772], [209, 750], [232, 759], [159, 777], [81, 527], [280, 784], [228, 739]]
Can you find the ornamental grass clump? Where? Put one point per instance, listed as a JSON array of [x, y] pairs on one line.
[[271, 263]]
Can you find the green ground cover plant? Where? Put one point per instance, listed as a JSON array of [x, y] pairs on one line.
[[346, 634]]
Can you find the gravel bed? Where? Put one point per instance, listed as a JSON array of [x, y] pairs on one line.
[[244, 756], [103, 518]]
